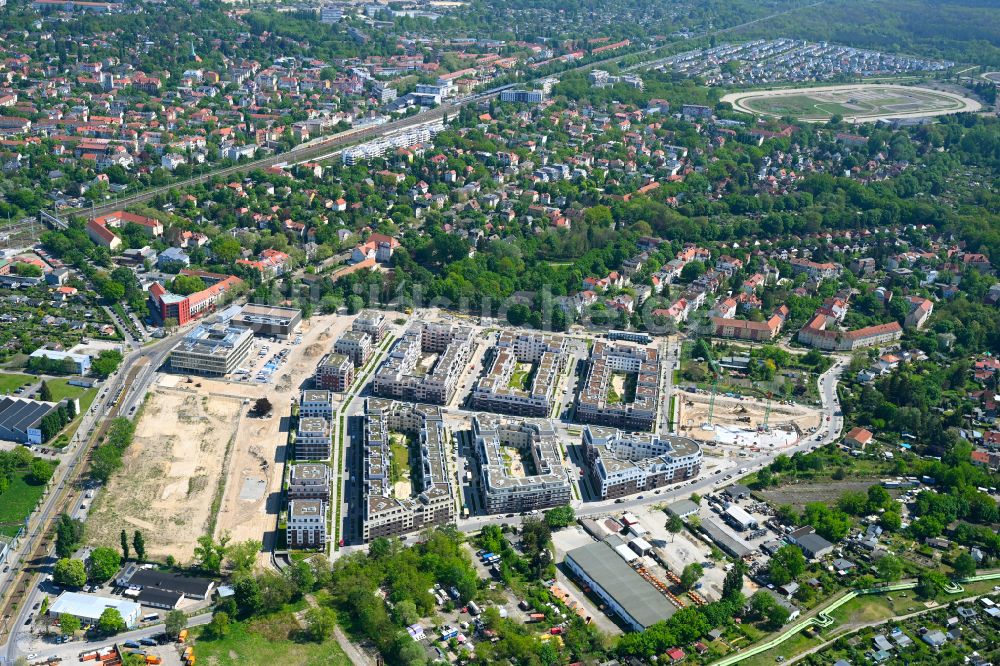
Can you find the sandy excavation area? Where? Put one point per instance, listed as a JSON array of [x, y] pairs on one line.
[[171, 473], [746, 414]]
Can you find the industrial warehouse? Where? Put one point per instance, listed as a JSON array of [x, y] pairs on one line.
[[619, 586]]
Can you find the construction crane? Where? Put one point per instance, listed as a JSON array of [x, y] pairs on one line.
[[767, 409], [711, 401]]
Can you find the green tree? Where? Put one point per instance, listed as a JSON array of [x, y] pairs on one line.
[[319, 623], [41, 471], [70, 572], [732, 586], [247, 594], [560, 517], [929, 583], [209, 554], [69, 624], [889, 568], [174, 623], [242, 556], [964, 566], [786, 565], [111, 622], [45, 393], [218, 627], [674, 526], [123, 540], [102, 564], [139, 546], [691, 575], [69, 534]]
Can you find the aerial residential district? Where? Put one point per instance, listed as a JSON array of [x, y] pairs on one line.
[[486, 332]]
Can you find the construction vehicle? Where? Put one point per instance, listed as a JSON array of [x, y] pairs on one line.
[[153, 659], [181, 637]]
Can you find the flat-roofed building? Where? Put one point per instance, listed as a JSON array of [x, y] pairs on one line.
[[431, 500], [306, 525], [81, 362], [316, 404], [425, 364], [631, 405], [537, 481], [309, 481], [373, 323], [215, 350], [335, 372], [312, 439], [509, 387], [740, 519], [623, 463], [269, 320], [624, 592], [89, 608], [356, 345]]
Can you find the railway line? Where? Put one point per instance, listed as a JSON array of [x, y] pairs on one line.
[[41, 540]]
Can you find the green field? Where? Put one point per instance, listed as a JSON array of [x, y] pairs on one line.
[[267, 642], [17, 502], [11, 382]]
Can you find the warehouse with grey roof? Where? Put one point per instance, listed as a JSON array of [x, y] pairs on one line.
[[625, 593]]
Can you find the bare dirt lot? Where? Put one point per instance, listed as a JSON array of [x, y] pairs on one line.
[[170, 474]]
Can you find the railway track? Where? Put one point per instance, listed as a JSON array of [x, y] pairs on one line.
[[41, 539]]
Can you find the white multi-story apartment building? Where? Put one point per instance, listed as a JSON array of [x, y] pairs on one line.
[[306, 526], [312, 439], [405, 373], [355, 345], [316, 404], [373, 323], [623, 463], [544, 353], [543, 483], [598, 401], [309, 481], [431, 501]]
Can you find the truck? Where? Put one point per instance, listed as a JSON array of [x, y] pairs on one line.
[[448, 633], [536, 617], [473, 609], [487, 556]]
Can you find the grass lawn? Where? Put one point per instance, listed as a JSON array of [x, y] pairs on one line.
[[61, 389], [399, 468], [11, 382], [266, 642], [520, 379], [874, 607], [794, 645], [17, 502]]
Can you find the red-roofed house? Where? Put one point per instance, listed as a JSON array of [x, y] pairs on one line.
[[858, 438]]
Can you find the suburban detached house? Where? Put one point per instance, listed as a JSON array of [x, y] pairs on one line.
[[378, 247]]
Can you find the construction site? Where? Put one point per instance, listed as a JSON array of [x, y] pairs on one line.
[[746, 423]]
